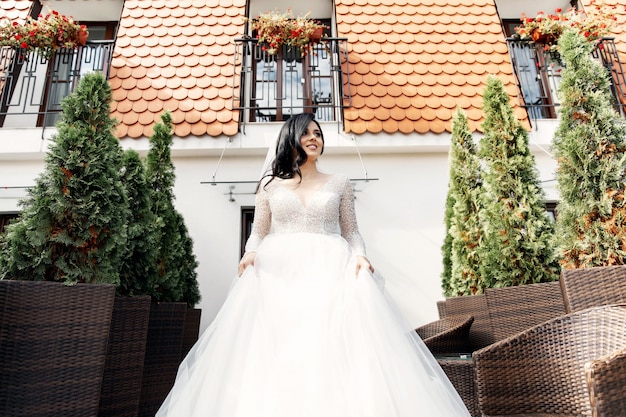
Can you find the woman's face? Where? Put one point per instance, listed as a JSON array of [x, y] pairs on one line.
[[311, 141]]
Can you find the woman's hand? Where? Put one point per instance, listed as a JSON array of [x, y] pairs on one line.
[[362, 262], [246, 261]]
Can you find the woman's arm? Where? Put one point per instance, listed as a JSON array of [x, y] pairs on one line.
[[350, 229], [261, 227]]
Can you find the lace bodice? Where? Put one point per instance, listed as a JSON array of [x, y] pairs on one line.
[[330, 210]]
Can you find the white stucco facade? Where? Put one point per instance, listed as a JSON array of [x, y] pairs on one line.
[[400, 214]]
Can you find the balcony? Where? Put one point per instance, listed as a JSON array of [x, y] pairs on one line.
[[539, 75], [273, 87], [32, 87]]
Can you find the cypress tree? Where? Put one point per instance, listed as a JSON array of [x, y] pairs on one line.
[[446, 248], [138, 269], [518, 242], [590, 148], [73, 224], [176, 263], [465, 230]]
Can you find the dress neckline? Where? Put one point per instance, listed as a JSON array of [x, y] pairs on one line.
[[314, 193]]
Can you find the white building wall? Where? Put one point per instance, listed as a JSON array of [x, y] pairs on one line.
[[400, 215]]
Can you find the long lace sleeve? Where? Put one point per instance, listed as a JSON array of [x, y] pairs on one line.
[[262, 220], [347, 220]]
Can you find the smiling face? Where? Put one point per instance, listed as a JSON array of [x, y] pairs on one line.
[[312, 141]]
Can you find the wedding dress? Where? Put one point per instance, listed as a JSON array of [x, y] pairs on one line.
[[300, 335]]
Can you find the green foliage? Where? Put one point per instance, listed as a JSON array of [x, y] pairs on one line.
[[73, 224], [176, 263], [518, 240], [446, 248], [590, 150], [138, 269], [465, 231]]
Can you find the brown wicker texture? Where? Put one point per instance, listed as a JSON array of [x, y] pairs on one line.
[[461, 373], [165, 340], [515, 309], [441, 309], [447, 336], [590, 287], [191, 330], [605, 376], [121, 383], [541, 372], [53, 341], [481, 334]]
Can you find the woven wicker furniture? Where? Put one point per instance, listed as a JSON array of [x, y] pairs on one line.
[[460, 372], [123, 370], [515, 309], [449, 335], [53, 344], [588, 287], [163, 349], [574, 365], [481, 333]]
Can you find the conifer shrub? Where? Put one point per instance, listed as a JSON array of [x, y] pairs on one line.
[[590, 148], [73, 223]]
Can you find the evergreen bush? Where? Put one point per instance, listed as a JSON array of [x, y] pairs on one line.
[[73, 223], [465, 230], [591, 153], [518, 242], [176, 263]]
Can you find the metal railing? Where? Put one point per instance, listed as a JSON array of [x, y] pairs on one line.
[[272, 87], [33, 86], [539, 72]]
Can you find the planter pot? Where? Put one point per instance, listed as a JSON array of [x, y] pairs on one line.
[[53, 341], [121, 382], [191, 330], [164, 344]]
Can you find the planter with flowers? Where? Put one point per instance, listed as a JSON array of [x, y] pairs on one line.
[[545, 29], [275, 30], [44, 35]]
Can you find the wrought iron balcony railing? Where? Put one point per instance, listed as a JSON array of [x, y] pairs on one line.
[[273, 87], [32, 86], [538, 74]]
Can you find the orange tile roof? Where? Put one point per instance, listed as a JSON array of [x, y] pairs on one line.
[[15, 10], [176, 56], [412, 62]]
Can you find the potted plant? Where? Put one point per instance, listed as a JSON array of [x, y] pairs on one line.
[[60, 262], [175, 278], [44, 35], [595, 22], [121, 385], [275, 30]]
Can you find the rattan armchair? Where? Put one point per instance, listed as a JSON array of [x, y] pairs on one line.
[[589, 287], [574, 365], [449, 335]]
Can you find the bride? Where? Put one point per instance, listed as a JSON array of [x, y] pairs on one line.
[[306, 330]]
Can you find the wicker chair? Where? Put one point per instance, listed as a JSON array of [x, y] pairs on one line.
[[481, 334], [515, 309], [589, 287], [449, 335], [574, 365]]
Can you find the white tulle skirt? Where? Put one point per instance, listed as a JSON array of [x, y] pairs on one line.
[[300, 335]]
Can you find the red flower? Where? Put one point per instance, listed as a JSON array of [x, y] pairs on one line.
[[23, 45]]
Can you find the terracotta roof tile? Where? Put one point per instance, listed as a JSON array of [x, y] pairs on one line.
[[166, 42], [443, 48]]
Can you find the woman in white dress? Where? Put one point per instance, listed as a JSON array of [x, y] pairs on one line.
[[306, 329]]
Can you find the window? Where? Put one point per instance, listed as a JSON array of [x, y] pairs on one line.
[[247, 221], [5, 218], [67, 67]]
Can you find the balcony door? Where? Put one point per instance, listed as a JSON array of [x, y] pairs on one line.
[[290, 82], [66, 67]]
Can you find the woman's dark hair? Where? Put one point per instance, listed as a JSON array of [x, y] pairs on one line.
[[290, 155]]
